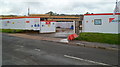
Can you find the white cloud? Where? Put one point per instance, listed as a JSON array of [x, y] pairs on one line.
[[19, 7]]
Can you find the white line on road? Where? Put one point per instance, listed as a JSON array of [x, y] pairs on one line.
[[64, 40], [37, 49], [85, 60]]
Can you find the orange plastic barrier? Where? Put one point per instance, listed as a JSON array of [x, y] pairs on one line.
[[72, 36]]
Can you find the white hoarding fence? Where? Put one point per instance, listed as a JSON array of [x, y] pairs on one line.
[[28, 23]]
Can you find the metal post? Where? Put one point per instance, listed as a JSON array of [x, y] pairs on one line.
[[76, 27], [40, 26]]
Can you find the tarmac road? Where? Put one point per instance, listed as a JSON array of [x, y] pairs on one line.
[[0, 49], [21, 51]]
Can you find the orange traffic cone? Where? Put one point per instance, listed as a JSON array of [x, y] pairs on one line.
[[72, 36]]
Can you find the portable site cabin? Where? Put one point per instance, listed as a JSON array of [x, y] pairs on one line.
[[28, 23], [101, 23]]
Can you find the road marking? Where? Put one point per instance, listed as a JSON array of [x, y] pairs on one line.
[[21, 46], [37, 49], [85, 60], [64, 40]]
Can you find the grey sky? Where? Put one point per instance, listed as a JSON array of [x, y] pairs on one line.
[[19, 7]]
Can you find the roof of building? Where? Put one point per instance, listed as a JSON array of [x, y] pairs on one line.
[[48, 17], [103, 14], [17, 17], [59, 18], [39, 14]]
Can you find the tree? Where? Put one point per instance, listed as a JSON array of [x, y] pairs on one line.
[[51, 13], [87, 13]]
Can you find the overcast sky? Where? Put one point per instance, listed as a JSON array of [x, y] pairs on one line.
[[19, 7]]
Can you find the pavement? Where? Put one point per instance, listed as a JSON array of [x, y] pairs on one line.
[[24, 49], [95, 45], [61, 37], [64, 33]]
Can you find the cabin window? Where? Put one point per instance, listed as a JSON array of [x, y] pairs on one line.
[[97, 21], [119, 21]]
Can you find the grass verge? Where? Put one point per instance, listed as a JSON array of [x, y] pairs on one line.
[[100, 37], [11, 30]]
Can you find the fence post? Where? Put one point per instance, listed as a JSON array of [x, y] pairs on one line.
[[76, 27]]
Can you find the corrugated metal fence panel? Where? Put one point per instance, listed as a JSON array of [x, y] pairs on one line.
[[0, 24], [22, 23], [64, 24], [32, 23], [45, 28], [29, 24], [13, 24]]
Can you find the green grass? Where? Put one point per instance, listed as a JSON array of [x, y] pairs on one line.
[[11, 30], [100, 37]]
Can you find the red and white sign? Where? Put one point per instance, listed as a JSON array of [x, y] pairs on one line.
[[111, 19], [47, 22], [27, 21]]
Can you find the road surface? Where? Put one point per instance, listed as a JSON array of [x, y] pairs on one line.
[[21, 51], [0, 49]]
